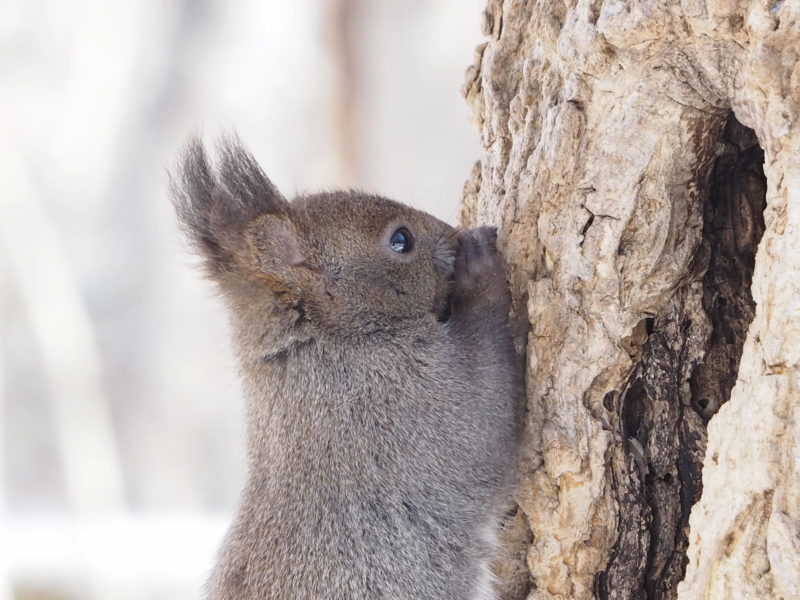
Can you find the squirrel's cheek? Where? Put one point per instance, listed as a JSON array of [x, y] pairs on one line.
[[444, 256], [444, 262]]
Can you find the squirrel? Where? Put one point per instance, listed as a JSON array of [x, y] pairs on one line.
[[384, 397]]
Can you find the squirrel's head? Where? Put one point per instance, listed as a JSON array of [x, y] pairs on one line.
[[344, 262]]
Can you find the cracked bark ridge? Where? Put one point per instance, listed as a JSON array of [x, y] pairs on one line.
[[629, 204]]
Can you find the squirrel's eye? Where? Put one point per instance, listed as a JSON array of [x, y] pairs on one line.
[[401, 241]]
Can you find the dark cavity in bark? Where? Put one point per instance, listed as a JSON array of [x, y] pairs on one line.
[[686, 371]]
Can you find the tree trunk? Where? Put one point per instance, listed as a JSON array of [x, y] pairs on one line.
[[642, 161]]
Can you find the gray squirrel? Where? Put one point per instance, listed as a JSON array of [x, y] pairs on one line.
[[384, 397]]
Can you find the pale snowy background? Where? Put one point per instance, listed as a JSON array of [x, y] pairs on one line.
[[120, 418]]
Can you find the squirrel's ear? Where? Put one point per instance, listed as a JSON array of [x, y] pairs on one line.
[[279, 258], [214, 206]]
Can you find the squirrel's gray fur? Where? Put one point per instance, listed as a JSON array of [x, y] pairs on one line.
[[383, 392]]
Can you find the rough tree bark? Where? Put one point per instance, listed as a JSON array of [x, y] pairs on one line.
[[642, 161]]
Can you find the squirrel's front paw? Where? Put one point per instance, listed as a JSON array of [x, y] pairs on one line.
[[479, 277]]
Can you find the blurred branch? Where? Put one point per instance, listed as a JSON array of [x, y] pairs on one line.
[[64, 335], [340, 24], [59, 320]]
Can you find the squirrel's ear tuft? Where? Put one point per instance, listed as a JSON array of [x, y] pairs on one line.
[[214, 205]]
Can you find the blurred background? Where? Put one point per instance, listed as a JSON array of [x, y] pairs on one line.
[[120, 417]]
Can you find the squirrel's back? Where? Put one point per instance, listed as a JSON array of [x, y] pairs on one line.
[[376, 480]]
